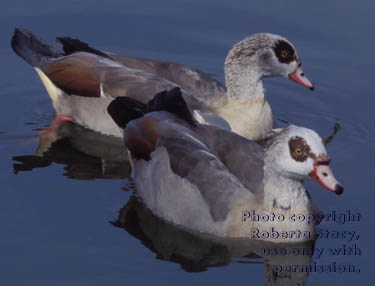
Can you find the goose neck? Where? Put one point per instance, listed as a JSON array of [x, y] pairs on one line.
[[243, 83], [282, 192]]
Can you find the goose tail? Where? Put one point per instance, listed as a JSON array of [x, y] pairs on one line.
[[31, 48]]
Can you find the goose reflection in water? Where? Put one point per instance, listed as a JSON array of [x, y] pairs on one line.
[[87, 155], [284, 264]]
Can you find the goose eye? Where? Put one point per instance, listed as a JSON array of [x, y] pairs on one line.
[[298, 151], [284, 54]]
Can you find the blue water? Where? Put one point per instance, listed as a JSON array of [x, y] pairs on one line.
[[56, 211]]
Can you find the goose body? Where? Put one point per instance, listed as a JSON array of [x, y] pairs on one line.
[[81, 81], [215, 181]]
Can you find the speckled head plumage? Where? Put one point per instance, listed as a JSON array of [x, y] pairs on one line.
[[272, 55], [255, 43]]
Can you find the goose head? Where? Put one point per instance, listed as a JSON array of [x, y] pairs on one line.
[[297, 153], [265, 55]]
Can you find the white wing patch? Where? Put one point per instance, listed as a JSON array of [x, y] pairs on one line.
[[53, 91]]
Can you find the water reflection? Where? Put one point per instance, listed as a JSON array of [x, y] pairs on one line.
[[284, 264], [87, 155]]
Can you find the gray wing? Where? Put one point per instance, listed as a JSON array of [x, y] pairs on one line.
[[83, 73], [221, 164], [120, 80], [190, 158], [193, 81], [242, 157]]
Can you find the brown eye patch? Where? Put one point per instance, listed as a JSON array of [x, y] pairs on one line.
[[284, 52], [299, 149]]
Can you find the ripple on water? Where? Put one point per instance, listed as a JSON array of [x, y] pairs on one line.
[[353, 131], [41, 113]]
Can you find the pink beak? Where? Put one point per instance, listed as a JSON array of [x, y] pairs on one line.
[[299, 77], [324, 176]]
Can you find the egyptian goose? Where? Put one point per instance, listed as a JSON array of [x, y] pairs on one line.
[[214, 181], [82, 81]]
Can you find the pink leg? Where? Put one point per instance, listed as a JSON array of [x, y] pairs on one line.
[[51, 134], [51, 130], [59, 120]]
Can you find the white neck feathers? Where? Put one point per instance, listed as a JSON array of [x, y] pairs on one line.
[[282, 192]]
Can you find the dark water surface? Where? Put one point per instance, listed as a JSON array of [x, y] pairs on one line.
[[56, 210]]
